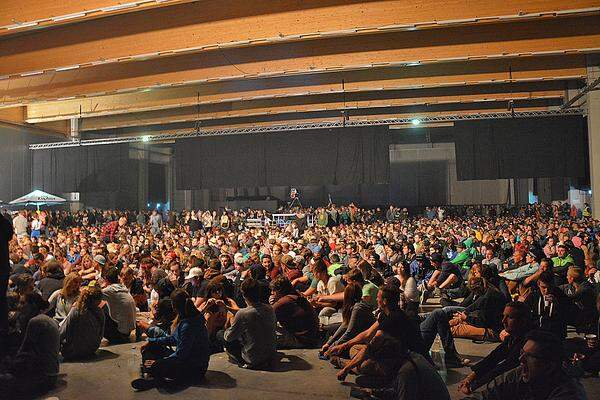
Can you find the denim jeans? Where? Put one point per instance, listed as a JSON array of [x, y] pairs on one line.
[[436, 323]]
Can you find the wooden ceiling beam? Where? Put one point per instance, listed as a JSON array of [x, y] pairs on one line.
[[477, 72], [298, 105], [208, 25], [17, 16], [569, 35]]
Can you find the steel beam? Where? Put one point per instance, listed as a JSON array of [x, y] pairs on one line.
[[299, 127]]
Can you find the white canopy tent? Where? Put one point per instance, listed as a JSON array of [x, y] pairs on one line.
[[38, 198]]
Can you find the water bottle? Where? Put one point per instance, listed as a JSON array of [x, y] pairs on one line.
[[438, 355]]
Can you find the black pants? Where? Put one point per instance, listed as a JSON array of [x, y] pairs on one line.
[[111, 330], [233, 349], [170, 368]]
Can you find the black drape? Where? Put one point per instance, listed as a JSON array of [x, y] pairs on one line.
[[521, 148], [88, 169], [314, 157]]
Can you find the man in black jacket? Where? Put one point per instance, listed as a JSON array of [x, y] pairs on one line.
[[551, 307], [6, 234], [516, 320]]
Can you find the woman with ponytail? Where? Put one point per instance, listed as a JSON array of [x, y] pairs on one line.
[[189, 362], [82, 330]]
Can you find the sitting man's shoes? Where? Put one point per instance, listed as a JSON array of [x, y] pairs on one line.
[[456, 361], [142, 384]]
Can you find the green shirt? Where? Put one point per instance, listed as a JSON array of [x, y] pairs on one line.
[[332, 268], [370, 289]]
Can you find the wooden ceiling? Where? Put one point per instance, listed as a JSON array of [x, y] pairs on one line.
[[162, 65]]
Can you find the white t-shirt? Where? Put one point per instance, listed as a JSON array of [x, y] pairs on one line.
[[334, 285]]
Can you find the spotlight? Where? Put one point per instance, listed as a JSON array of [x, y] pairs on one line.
[[145, 138], [415, 121]]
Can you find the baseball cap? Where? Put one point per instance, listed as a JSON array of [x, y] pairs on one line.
[[194, 273], [100, 259]]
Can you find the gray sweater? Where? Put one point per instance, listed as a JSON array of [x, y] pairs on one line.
[[121, 306], [360, 319], [81, 333], [254, 327]]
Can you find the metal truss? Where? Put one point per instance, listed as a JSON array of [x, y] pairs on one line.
[[303, 126]]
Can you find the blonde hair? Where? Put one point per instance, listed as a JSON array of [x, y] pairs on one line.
[[89, 297], [71, 285]]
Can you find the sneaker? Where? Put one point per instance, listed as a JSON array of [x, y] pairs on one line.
[[142, 384], [456, 361]]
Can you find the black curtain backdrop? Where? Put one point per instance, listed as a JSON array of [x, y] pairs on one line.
[[314, 157], [157, 185], [90, 169], [521, 148]]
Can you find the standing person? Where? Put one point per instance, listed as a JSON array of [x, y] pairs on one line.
[[155, 222], [20, 224], [250, 341], [6, 234], [189, 362]]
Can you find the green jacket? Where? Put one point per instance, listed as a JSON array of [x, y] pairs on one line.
[[562, 264], [462, 259]]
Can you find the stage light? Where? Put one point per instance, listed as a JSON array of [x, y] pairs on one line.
[[145, 138], [157, 205], [415, 121]]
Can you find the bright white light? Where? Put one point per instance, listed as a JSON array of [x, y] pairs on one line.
[[589, 192], [416, 121], [145, 138]]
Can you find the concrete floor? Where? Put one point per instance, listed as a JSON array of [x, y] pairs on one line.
[[299, 375]]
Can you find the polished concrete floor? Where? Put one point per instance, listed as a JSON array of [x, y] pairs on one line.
[[298, 375]]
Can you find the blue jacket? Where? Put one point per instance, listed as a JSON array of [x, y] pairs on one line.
[[191, 341]]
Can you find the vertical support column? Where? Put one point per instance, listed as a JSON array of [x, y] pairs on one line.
[[74, 131], [593, 120], [143, 180]]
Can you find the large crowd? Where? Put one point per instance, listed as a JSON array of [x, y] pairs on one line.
[[354, 285]]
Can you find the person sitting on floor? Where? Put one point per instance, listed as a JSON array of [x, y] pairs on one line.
[[540, 375], [34, 369], [517, 323], [298, 326], [250, 340], [393, 321], [189, 362], [120, 320], [162, 318], [357, 316], [414, 376], [551, 307], [81, 332]]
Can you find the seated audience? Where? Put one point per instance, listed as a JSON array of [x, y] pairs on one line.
[[34, 369], [82, 331], [189, 362], [540, 376], [413, 376], [250, 340], [62, 300], [297, 323], [120, 309]]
